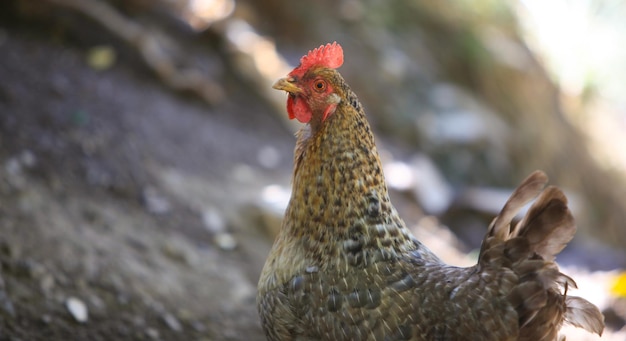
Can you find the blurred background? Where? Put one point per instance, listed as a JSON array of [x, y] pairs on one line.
[[145, 161]]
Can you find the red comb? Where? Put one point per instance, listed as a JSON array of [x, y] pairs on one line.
[[330, 56]]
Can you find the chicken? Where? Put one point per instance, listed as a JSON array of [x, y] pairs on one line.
[[344, 265]]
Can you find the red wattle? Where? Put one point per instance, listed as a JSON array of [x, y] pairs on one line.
[[297, 108], [290, 107]]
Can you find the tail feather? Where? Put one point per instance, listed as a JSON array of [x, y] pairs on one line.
[[549, 225], [525, 192], [540, 297], [500, 228], [582, 314]]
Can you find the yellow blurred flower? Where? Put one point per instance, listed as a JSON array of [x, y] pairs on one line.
[[619, 286]]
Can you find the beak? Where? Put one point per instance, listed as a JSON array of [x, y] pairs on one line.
[[286, 84]]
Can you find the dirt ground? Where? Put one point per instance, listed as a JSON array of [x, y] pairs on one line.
[[106, 182], [134, 201]]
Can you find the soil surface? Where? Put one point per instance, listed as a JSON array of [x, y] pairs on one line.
[[114, 191]]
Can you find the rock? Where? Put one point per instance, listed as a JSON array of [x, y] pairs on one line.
[[460, 119], [27, 159], [77, 308], [270, 209], [155, 202], [152, 333], [172, 322], [225, 241], [213, 220], [429, 186], [199, 326], [175, 253], [15, 167]]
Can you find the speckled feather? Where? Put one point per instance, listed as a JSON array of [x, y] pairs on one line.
[[345, 267]]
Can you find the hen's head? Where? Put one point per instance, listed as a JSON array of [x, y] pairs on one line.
[[312, 86]]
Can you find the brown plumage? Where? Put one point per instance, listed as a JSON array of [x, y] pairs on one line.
[[345, 267]]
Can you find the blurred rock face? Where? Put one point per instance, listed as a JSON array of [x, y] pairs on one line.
[[458, 83]]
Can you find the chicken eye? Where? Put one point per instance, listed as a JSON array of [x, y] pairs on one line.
[[320, 85]]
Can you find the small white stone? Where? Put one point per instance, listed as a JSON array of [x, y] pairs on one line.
[[155, 202], [225, 241], [213, 220], [152, 333], [28, 159], [172, 322], [77, 308]]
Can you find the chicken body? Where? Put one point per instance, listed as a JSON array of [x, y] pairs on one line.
[[344, 265]]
